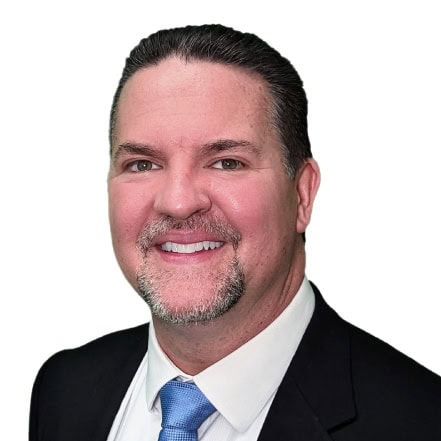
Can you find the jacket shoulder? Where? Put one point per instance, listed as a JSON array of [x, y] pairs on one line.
[[100, 349], [74, 385], [362, 388], [394, 394], [375, 362], [86, 361]]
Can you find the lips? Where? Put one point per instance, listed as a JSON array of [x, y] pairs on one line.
[[189, 248], [197, 233]]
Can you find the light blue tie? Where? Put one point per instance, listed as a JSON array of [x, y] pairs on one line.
[[184, 409]]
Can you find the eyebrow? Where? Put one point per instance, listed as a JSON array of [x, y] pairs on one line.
[[223, 145], [136, 148]]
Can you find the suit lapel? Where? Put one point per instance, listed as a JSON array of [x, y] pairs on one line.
[[112, 386], [316, 393], [291, 418]]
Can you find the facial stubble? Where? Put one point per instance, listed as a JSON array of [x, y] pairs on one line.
[[228, 283]]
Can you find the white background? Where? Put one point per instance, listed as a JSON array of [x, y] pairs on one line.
[[372, 73]]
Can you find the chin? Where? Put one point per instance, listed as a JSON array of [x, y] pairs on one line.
[[196, 306]]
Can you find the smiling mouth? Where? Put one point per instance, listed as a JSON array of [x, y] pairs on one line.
[[189, 248]]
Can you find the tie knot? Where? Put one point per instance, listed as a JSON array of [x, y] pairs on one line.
[[184, 409]]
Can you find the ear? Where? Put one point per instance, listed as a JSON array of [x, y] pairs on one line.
[[307, 184]]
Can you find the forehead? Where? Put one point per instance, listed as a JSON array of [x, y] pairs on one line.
[[192, 100]]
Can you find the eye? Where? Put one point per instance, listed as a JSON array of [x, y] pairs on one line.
[[228, 164], [142, 165]]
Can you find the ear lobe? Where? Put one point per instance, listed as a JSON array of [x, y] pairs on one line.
[[307, 184]]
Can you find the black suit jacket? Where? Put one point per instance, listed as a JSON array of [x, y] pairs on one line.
[[342, 385]]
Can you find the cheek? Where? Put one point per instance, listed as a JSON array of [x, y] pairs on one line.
[[127, 213], [261, 211]]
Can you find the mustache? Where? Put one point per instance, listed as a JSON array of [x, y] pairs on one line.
[[198, 222]]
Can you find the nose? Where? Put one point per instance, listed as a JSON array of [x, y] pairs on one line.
[[181, 194]]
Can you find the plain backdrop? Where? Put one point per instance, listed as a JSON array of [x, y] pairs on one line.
[[372, 74]]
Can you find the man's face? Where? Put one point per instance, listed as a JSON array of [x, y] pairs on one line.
[[201, 209]]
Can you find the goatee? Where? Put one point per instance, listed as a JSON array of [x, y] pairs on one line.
[[229, 283]]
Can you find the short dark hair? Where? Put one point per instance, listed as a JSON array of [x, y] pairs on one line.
[[220, 44]]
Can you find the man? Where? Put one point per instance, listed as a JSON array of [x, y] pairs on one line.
[[211, 188]]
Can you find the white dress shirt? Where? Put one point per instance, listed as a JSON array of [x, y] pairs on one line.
[[241, 386]]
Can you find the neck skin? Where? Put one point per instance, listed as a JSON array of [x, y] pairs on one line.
[[195, 347]]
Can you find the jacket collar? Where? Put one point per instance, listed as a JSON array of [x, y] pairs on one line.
[[316, 393]]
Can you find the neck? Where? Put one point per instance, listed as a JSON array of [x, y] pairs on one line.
[[194, 347]]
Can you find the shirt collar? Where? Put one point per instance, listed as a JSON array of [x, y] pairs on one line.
[[160, 370], [241, 384]]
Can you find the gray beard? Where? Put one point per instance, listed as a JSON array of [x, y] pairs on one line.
[[227, 293]]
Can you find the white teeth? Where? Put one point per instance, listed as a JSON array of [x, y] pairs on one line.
[[189, 248], [181, 248]]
